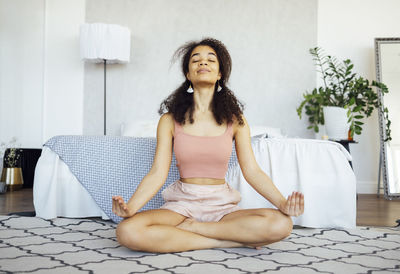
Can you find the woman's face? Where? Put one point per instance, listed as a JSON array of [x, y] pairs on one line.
[[203, 66]]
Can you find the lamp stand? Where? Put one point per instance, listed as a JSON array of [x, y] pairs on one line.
[[105, 97], [100, 43]]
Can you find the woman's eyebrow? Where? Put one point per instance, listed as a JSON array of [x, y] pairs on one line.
[[210, 53]]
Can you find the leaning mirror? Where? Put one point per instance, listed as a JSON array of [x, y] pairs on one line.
[[387, 57]]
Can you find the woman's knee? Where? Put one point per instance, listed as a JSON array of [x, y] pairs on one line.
[[281, 226], [130, 234], [276, 226]]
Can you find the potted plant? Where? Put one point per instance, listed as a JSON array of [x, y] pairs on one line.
[[341, 89], [11, 172]]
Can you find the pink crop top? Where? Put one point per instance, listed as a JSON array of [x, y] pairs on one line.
[[202, 156]]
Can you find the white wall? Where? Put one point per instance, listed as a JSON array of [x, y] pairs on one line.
[[63, 70], [41, 74], [21, 71], [346, 29], [267, 39]]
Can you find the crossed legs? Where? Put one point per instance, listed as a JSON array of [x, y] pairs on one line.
[[253, 227], [162, 230]]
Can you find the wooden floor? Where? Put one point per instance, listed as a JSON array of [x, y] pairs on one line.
[[371, 210], [16, 201], [374, 211]]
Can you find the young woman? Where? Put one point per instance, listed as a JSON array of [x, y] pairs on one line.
[[202, 118]]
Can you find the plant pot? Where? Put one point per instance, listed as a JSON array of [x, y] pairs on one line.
[[13, 178], [336, 125]]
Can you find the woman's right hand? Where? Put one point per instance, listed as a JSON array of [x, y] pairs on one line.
[[120, 208]]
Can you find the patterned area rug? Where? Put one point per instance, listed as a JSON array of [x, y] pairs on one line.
[[29, 244]]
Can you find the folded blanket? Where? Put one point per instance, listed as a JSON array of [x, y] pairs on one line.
[[113, 165]]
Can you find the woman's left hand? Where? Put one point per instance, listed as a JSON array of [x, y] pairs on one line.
[[294, 205]]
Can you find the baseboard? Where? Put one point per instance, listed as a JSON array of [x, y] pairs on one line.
[[367, 187]]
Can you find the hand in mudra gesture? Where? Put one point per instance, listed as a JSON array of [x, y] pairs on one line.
[[294, 205], [120, 208]]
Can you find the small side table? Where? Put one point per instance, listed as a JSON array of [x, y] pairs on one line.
[[346, 143], [29, 159]]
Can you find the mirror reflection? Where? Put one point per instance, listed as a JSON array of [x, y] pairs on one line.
[[388, 72]]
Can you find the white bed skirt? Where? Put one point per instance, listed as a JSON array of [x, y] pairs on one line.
[[319, 169], [57, 192]]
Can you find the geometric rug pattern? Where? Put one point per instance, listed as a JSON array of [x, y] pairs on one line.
[[62, 245]]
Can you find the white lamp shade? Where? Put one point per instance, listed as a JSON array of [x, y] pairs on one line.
[[99, 42]]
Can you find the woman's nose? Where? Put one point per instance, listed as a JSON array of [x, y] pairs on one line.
[[203, 62]]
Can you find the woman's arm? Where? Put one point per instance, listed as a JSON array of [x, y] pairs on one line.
[[257, 178], [157, 175]]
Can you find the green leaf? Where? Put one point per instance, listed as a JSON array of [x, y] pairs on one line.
[[349, 68], [343, 88]]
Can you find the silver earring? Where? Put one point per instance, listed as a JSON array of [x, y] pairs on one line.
[[219, 87], [190, 89]]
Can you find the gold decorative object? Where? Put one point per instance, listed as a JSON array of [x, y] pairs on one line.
[[13, 178]]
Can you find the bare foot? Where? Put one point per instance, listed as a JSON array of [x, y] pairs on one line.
[[188, 224], [256, 246], [227, 244]]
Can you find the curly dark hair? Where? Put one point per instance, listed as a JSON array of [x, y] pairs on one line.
[[225, 105]]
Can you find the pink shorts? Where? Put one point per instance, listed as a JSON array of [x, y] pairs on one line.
[[205, 203]]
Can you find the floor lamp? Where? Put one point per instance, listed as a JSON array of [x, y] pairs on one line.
[[107, 44]]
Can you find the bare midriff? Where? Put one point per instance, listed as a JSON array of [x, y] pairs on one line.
[[203, 181]]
